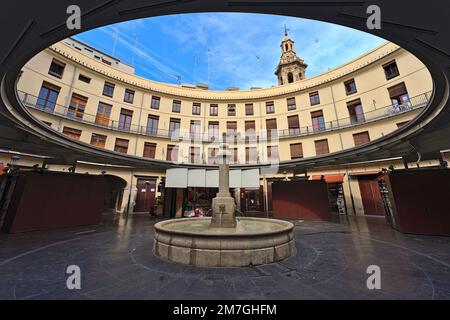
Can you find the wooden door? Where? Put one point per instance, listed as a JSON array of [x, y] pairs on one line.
[[371, 196], [145, 199]]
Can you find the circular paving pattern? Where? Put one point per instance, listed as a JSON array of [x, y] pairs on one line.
[[117, 262]]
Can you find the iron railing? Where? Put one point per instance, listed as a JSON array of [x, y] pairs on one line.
[[34, 102]]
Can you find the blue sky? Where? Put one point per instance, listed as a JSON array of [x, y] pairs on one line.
[[243, 49]]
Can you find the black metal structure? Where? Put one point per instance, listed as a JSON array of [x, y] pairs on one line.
[[421, 27]]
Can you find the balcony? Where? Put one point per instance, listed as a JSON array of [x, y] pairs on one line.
[[413, 103]]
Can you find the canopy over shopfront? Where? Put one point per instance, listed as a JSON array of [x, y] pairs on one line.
[[330, 178], [202, 178]]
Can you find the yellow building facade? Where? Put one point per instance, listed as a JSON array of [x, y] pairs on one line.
[[91, 100]]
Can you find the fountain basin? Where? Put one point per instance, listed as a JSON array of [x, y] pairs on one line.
[[254, 241]]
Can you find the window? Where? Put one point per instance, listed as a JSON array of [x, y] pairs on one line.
[[194, 155], [213, 110], [72, 133], [234, 155], [270, 107], [174, 128], [272, 153], [195, 130], [290, 77], [350, 87], [356, 112], [172, 153], [212, 153], [98, 140], [129, 96], [321, 147], [125, 119], [152, 125], [296, 151], [213, 130], [399, 97], [291, 104], [196, 109], [294, 125], [77, 106], [121, 145], [47, 123], [149, 150], [155, 102], [106, 62], [108, 89], [231, 127], [361, 138], [391, 70], [231, 110], [103, 114], [176, 106], [57, 69], [47, 97], [250, 155], [250, 128], [318, 121], [84, 79], [271, 127], [314, 98], [249, 109]]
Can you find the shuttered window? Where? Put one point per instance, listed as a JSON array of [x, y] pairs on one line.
[[149, 150], [172, 153], [213, 110], [196, 108], [291, 104], [296, 151], [272, 153], [121, 145], [72, 133], [194, 155], [321, 147], [98, 140], [249, 109], [212, 153], [250, 154], [271, 127], [318, 121], [270, 107], [294, 125], [231, 127], [397, 90], [361, 138]]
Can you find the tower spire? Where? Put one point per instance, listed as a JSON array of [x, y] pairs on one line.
[[290, 68]]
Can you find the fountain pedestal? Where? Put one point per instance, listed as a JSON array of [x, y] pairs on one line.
[[223, 205], [223, 240]]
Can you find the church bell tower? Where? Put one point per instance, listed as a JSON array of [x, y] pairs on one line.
[[290, 68]]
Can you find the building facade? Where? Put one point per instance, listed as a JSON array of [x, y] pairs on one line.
[[100, 102]]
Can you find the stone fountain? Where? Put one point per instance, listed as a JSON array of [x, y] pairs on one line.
[[224, 240]]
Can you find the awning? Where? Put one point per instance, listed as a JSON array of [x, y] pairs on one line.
[[183, 178], [365, 173], [330, 178]]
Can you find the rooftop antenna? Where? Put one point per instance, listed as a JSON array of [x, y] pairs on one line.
[[208, 54], [179, 79]]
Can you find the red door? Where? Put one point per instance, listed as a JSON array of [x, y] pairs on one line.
[[145, 199], [371, 196]]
